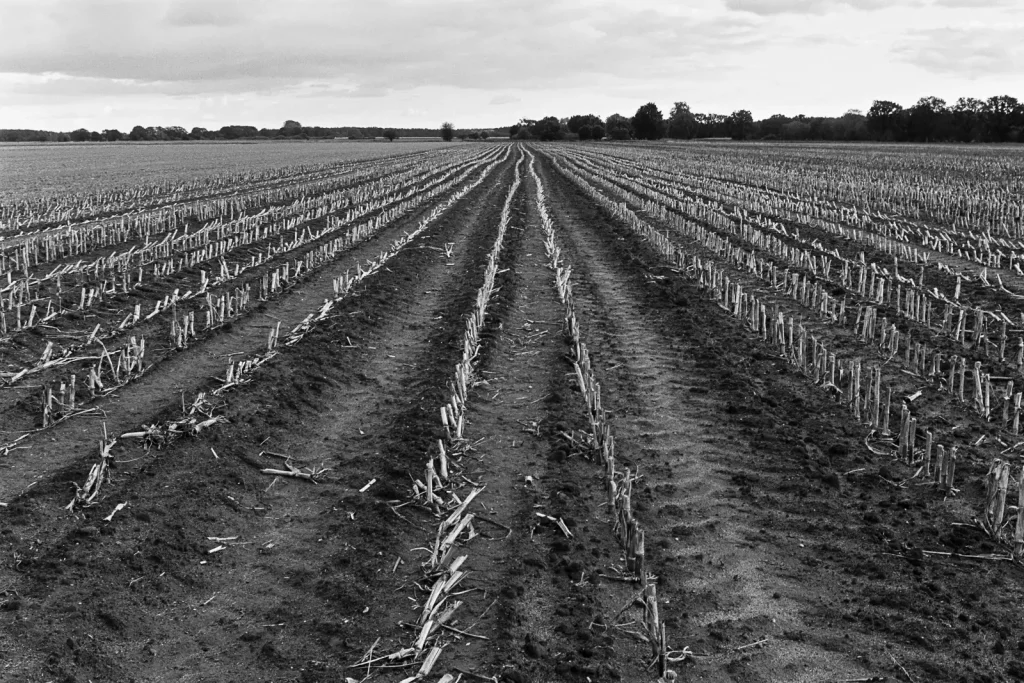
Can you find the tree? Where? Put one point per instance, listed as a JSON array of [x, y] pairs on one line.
[[884, 119], [927, 120], [138, 133], [1003, 114], [682, 124], [712, 125], [291, 129], [523, 130], [113, 135], [853, 125], [235, 132], [447, 131], [484, 135], [579, 121], [741, 124], [618, 127], [591, 131], [796, 130], [80, 135], [548, 128], [967, 115], [771, 128], [390, 134], [175, 133], [648, 123]]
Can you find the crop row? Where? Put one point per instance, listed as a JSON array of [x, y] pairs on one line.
[[49, 247], [240, 371], [236, 301], [977, 190], [619, 482], [830, 229], [859, 386], [34, 214], [807, 289], [176, 253], [903, 297], [447, 566], [202, 413]]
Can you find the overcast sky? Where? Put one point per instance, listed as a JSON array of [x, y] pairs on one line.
[[66, 64]]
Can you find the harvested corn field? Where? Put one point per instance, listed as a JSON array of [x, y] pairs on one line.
[[519, 413]]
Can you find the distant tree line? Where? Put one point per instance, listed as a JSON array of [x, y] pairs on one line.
[[290, 130], [931, 119], [648, 123], [997, 119]]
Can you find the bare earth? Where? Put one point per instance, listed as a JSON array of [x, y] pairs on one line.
[[780, 552]]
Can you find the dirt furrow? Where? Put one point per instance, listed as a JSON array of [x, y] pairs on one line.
[[973, 290], [222, 187], [719, 584], [782, 548], [936, 410], [156, 329], [143, 400], [310, 578], [856, 553], [535, 593]]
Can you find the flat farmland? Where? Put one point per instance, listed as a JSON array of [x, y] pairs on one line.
[[512, 412], [34, 171]]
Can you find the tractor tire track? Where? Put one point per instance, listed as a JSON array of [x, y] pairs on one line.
[[717, 583], [536, 593]]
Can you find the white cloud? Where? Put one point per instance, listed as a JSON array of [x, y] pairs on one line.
[[972, 52], [977, 4], [407, 62], [772, 7], [204, 13], [385, 44]]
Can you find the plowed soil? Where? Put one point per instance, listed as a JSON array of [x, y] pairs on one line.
[[784, 550]]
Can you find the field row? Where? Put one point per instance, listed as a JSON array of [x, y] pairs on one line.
[[528, 414], [780, 303], [169, 196], [100, 346]]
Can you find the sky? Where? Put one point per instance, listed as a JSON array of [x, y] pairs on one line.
[[97, 64]]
